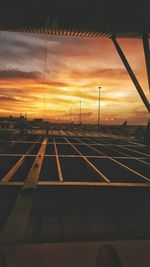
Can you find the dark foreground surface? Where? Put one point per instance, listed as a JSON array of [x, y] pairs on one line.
[[73, 189], [78, 214], [74, 213]]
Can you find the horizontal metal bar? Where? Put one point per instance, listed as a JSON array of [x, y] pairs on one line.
[[111, 184]]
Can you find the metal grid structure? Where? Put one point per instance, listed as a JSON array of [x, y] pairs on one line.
[[52, 186], [74, 160]]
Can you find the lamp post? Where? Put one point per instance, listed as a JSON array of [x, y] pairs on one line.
[[71, 115], [80, 114], [98, 117]]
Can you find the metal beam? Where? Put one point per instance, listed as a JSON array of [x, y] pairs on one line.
[[147, 55], [131, 74], [20, 215]]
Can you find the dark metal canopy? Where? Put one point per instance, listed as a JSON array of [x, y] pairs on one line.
[[103, 18]]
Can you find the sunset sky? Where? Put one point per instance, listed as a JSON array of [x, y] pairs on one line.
[[61, 71]]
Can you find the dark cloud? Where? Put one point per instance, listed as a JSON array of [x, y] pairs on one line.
[[17, 48], [9, 99], [27, 47], [20, 95], [14, 74], [18, 74]]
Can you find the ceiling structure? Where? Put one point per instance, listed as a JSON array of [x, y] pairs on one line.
[[90, 18]]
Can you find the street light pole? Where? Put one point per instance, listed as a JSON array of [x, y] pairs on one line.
[[71, 115], [80, 119], [98, 120]]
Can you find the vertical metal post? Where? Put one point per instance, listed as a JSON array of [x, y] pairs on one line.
[[70, 115], [131, 74], [98, 121], [80, 118], [147, 55]]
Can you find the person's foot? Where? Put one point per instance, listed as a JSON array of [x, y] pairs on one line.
[[2, 259], [108, 257]]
